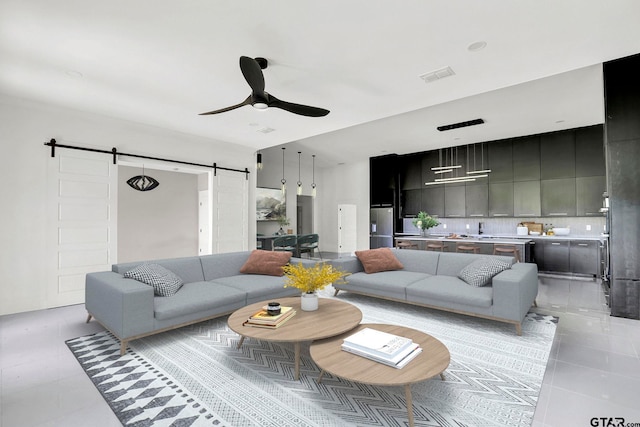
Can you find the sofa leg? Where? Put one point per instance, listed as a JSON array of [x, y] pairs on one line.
[[336, 293], [519, 329], [123, 347], [89, 316]]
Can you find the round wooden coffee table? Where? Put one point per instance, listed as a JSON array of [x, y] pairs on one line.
[[433, 360], [332, 317]]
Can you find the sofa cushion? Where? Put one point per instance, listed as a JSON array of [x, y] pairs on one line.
[[481, 271], [164, 282], [377, 260], [451, 290], [254, 285], [266, 262], [197, 297], [419, 261], [389, 284]]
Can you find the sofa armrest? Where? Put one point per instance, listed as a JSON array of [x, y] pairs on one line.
[[514, 291], [123, 306], [349, 264]]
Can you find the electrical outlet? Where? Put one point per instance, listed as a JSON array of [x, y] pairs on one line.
[[444, 226], [588, 227]]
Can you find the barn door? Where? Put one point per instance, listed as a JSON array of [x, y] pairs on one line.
[[82, 203], [230, 212]]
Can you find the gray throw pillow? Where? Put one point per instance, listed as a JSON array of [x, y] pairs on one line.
[[481, 271], [164, 282]]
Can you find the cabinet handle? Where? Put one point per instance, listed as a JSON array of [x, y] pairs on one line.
[[526, 214], [555, 244], [453, 216], [557, 213], [500, 214], [583, 244], [593, 213], [476, 215]]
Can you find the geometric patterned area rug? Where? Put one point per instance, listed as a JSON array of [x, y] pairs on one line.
[[195, 376]]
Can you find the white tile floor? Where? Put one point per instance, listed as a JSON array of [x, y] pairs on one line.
[[593, 371]]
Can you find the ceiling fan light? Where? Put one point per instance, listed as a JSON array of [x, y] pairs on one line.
[[260, 106]]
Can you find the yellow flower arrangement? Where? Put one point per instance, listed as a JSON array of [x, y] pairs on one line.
[[312, 279]]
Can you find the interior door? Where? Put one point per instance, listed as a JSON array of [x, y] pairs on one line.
[[230, 193], [347, 228], [82, 229]]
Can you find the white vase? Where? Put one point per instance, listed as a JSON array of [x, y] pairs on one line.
[[309, 301]]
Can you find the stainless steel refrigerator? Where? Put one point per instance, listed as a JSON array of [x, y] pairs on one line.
[[381, 228]]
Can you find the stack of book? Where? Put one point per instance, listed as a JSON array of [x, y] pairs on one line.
[[382, 347], [262, 319]]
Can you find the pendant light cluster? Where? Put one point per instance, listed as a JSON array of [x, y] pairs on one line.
[[283, 181], [452, 166]]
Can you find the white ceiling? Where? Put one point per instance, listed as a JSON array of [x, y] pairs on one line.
[[161, 62]]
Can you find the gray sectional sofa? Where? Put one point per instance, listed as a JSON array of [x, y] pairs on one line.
[[213, 286], [430, 279]]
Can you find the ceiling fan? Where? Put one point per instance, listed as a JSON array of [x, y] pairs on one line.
[[252, 71]]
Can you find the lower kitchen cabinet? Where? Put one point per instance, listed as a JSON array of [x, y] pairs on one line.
[[556, 256], [584, 256]]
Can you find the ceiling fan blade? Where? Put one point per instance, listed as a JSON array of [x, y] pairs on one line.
[[233, 107], [303, 110], [252, 74]]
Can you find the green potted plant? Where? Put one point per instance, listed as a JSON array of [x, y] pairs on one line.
[[283, 221], [424, 222]]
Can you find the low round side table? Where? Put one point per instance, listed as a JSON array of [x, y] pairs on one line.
[[433, 361], [333, 317]]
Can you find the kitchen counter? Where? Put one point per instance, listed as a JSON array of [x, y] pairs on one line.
[[471, 239]]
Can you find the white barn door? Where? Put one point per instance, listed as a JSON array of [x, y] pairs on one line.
[[230, 212], [82, 237]]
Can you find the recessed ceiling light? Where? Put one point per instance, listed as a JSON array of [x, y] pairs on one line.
[[476, 46], [435, 75], [265, 129]]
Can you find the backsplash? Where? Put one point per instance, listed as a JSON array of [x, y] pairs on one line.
[[502, 226]]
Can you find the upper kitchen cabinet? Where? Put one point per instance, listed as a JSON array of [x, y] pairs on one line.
[[526, 158], [558, 155], [477, 200], [382, 180], [411, 203], [558, 197], [501, 199], [526, 198], [433, 200], [454, 201], [589, 191], [430, 159], [410, 171], [500, 161], [590, 151]]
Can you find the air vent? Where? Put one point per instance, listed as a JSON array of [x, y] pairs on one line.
[[461, 125], [265, 130], [437, 74]]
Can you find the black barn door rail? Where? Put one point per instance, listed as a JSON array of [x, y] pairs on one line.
[[115, 153]]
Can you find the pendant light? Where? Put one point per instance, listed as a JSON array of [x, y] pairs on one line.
[[143, 182], [482, 170], [259, 161], [299, 191], [313, 184], [283, 181]]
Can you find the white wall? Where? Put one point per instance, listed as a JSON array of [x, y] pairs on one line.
[[161, 223], [25, 127]]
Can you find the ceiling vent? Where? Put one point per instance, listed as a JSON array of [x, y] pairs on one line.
[[265, 130], [437, 74], [460, 125]]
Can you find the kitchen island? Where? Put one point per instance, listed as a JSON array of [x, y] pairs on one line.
[[486, 244]]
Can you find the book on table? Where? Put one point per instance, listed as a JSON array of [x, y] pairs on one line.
[[398, 362], [378, 343], [263, 317], [258, 324]]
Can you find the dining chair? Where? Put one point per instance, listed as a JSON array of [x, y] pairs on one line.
[[308, 243]]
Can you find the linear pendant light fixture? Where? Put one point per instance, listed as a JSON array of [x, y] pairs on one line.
[[483, 170], [313, 176]]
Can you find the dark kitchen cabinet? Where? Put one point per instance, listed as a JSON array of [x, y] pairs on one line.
[[590, 159], [500, 161], [433, 200], [557, 155], [526, 198], [558, 197], [556, 256], [411, 202], [589, 191], [501, 199], [410, 171], [537, 252], [454, 201], [526, 159], [382, 180], [584, 257], [430, 159], [477, 200]]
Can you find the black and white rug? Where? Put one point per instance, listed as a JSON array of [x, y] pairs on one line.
[[195, 376]]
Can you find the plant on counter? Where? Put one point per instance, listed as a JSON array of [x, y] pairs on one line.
[[311, 279], [424, 221]]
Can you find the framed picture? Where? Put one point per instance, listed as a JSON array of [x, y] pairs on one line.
[[270, 204]]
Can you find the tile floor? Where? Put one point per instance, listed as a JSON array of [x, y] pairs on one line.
[[593, 371]]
